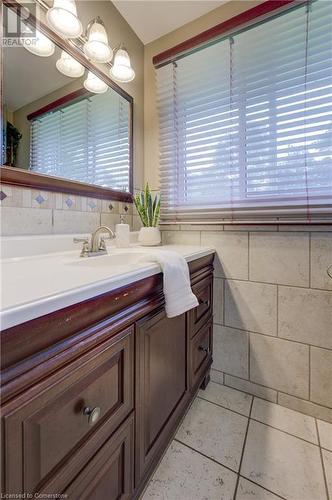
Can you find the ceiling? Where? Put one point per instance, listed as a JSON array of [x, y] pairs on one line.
[[151, 19]]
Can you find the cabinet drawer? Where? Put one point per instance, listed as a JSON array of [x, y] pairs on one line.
[[199, 315], [200, 353], [61, 428], [110, 474]]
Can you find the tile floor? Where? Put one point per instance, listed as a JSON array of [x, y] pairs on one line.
[[235, 446]]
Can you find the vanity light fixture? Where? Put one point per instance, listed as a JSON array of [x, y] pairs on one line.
[[95, 84], [40, 45], [96, 47], [68, 66], [62, 17], [121, 70]]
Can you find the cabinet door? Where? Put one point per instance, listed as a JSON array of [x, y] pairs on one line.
[[110, 474], [53, 435], [161, 385]]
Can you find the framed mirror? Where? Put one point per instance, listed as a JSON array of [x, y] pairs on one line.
[[66, 126]]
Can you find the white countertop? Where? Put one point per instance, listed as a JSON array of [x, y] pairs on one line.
[[37, 285]]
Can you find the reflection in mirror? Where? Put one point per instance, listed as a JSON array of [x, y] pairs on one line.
[[61, 120]]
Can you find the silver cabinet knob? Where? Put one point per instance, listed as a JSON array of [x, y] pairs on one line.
[[92, 413]]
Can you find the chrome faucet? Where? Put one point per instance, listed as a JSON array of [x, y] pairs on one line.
[[99, 245], [96, 246]]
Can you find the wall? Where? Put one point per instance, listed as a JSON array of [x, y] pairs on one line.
[[272, 294], [32, 217], [272, 311]]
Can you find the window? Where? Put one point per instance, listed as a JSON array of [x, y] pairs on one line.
[[85, 140], [245, 123]]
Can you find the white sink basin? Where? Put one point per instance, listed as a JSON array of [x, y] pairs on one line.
[[42, 274], [110, 260]]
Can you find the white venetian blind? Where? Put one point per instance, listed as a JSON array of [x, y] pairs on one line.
[[245, 124], [86, 141]]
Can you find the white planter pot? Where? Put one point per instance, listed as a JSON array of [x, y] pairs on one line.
[[149, 236]]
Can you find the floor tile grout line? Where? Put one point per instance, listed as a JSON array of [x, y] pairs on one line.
[[249, 349], [245, 392], [263, 487], [309, 372], [269, 400], [243, 448], [221, 406], [284, 432], [322, 461], [224, 407], [260, 421], [238, 473], [276, 390], [205, 456]]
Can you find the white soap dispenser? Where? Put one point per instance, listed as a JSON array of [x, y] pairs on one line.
[[122, 234]]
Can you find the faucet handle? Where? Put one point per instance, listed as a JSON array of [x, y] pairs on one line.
[[85, 248], [81, 240], [85, 252]]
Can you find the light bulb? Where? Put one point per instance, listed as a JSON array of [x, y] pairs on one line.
[[68, 66], [95, 84], [39, 45], [62, 17], [121, 69], [96, 48]]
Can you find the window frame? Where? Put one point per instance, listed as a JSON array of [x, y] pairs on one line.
[[226, 29]]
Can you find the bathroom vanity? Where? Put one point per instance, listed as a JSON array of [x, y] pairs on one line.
[[92, 393]]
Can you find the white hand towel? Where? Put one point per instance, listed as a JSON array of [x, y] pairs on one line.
[[179, 297]]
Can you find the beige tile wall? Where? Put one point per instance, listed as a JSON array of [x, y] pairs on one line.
[[272, 311], [30, 211], [272, 293]]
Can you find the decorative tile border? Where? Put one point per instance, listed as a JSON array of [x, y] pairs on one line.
[[30, 211], [12, 196]]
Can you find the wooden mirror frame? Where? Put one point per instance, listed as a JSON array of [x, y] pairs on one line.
[[25, 178]]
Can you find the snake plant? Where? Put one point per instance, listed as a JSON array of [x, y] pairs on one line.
[[148, 208]]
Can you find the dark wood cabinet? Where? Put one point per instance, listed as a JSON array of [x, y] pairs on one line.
[[88, 412], [110, 473], [58, 429], [161, 377]]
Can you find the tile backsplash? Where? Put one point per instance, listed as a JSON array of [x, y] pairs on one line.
[[272, 311], [31, 211]]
